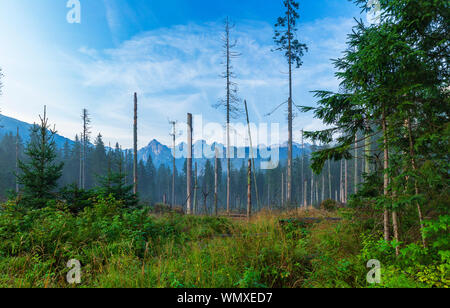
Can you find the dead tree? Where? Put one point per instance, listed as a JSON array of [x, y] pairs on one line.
[[135, 140], [173, 123], [84, 140], [249, 189], [189, 165], [216, 183], [195, 190], [231, 101], [251, 154], [17, 160]]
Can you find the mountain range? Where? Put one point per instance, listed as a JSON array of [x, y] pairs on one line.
[[162, 154]]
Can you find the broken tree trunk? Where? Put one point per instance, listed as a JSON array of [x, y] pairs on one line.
[[416, 187], [135, 166], [386, 177], [216, 181], [189, 166], [249, 189]]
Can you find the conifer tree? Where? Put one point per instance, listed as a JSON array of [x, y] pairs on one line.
[[40, 173], [285, 38]]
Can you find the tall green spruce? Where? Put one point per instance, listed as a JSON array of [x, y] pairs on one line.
[[395, 90], [39, 173], [285, 39]]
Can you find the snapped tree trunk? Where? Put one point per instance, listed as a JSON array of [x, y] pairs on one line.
[[416, 187], [135, 162], [249, 189], [386, 177], [189, 166], [216, 180]]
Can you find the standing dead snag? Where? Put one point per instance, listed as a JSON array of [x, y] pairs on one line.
[[17, 160], [189, 165], [249, 189], [174, 162], [386, 177], [135, 162], [251, 154], [216, 182], [85, 140], [195, 190]]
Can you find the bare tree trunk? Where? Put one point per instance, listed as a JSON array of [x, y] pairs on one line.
[[189, 165], [174, 136], [228, 118], [126, 168], [386, 177], [416, 187], [396, 233], [329, 180], [282, 190], [195, 190], [305, 189], [289, 164], [17, 161], [367, 154], [312, 189], [341, 182], [80, 181], [135, 160], [346, 181], [302, 175], [249, 189], [356, 180], [323, 187], [251, 154], [216, 181]]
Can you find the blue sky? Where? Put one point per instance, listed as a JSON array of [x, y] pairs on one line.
[[166, 50]]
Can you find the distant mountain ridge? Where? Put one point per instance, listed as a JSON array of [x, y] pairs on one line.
[[9, 125], [160, 153]]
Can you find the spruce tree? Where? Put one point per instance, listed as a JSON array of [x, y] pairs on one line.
[[40, 173]]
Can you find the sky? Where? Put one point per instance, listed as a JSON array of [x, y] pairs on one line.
[[169, 52]]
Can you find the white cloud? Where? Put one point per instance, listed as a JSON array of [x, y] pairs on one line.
[[174, 71]]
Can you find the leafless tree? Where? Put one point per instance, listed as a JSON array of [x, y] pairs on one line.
[[231, 102], [84, 142]]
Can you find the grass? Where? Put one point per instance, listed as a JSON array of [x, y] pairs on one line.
[[193, 252], [135, 249]]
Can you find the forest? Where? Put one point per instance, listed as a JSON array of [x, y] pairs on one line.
[[367, 206]]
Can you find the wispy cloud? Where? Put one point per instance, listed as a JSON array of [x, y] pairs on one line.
[[176, 70]]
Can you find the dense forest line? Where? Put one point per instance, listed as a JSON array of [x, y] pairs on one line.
[[155, 184], [384, 156]]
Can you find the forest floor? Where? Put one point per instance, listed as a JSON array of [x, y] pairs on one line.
[[135, 249]]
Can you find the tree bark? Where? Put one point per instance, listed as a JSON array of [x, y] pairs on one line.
[[416, 187], [289, 163], [135, 160], [189, 165], [216, 180], [195, 190], [17, 161], [249, 189], [386, 177], [282, 190], [356, 180]]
